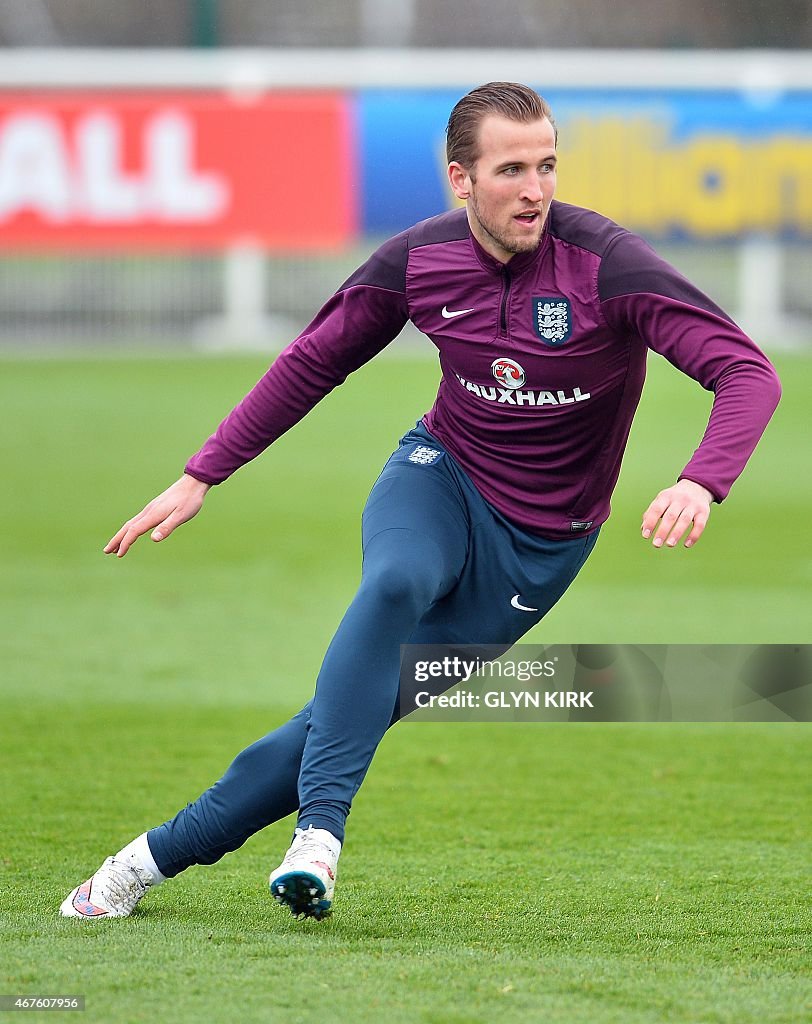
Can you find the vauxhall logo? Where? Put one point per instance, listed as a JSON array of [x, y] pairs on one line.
[[508, 373]]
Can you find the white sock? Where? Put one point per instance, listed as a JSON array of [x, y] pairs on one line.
[[139, 853]]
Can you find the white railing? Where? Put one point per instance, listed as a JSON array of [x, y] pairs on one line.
[[250, 69]]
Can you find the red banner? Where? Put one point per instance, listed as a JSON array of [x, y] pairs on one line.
[[182, 170]]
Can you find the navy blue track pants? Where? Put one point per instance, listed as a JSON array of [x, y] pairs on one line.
[[440, 566]]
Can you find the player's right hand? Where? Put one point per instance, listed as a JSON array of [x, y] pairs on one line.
[[178, 504]]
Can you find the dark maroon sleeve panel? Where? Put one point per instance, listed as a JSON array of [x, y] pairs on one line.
[[386, 268], [630, 267], [677, 320], [350, 329]]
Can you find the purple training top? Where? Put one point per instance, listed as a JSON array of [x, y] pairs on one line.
[[543, 363]]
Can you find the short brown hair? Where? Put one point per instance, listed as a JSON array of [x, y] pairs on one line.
[[507, 99]]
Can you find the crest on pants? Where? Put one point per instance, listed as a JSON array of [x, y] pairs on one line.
[[424, 456], [552, 318]]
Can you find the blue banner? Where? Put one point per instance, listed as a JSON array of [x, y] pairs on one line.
[[706, 166]]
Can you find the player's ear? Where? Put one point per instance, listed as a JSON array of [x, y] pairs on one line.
[[459, 180]]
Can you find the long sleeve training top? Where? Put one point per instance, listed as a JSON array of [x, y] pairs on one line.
[[543, 362]]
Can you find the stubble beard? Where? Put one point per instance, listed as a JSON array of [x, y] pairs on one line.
[[513, 245]]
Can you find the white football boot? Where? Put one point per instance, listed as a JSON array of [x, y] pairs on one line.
[[114, 890], [305, 880]]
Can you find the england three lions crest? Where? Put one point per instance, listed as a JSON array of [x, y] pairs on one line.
[[553, 319]]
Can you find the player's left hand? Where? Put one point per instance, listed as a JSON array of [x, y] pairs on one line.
[[676, 508]]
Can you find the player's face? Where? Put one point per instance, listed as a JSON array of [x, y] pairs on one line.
[[509, 190]]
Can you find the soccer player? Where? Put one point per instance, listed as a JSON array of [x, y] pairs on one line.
[[542, 314]]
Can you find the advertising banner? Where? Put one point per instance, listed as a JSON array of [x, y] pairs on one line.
[[703, 166], [310, 171], [162, 170]]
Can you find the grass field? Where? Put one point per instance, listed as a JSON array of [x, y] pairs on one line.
[[559, 873]]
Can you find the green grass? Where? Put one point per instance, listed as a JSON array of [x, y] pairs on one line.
[[572, 873]]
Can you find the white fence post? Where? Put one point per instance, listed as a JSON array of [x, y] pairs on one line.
[[245, 322], [760, 299], [243, 286]]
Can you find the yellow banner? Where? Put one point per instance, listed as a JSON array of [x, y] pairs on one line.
[[707, 185]]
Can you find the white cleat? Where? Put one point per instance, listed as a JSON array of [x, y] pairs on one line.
[[113, 891], [305, 880]]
